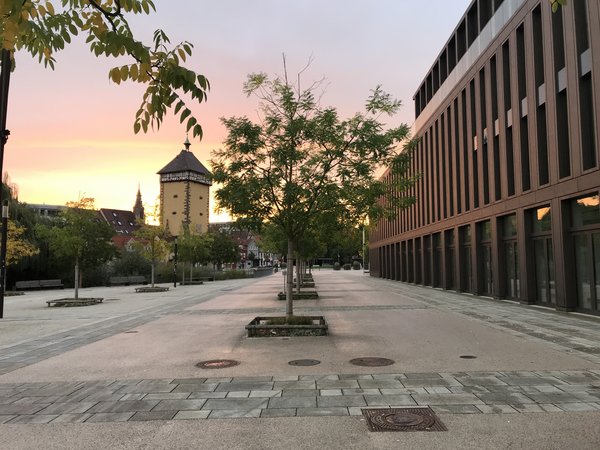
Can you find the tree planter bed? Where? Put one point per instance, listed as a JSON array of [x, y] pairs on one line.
[[151, 289], [74, 302], [259, 327], [303, 295]]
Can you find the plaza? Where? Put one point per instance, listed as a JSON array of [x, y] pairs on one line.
[[123, 374]]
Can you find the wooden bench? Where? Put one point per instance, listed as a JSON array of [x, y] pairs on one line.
[[127, 281], [39, 284], [206, 279]]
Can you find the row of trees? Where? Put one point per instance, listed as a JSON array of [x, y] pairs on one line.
[[78, 242]]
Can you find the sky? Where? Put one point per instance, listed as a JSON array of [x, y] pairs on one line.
[[72, 128]]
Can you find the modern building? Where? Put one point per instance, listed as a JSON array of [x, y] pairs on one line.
[[184, 194], [508, 199]]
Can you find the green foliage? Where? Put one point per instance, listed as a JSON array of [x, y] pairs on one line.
[[194, 248], [17, 247], [557, 3], [223, 249], [355, 265], [130, 263], [43, 27], [336, 266], [347, 266], [151, 244]]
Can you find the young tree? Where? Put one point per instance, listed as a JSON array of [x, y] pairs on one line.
[[43, 27], [80, 236], [194, 249], [302, 161], [151, 243], [17, 247], [223, 249]]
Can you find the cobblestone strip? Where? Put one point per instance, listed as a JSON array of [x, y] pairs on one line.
[[289, 396]]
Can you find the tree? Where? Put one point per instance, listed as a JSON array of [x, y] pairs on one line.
[[17, 247], [223, 249], [302, 161], [80, 236], [151, 243], [43, 27], [194, 248]]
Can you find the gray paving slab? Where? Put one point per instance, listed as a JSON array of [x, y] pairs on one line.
[[179, 405], [190, 415], [446, 399], [72, 418], [123, 406], [141, 416], [326, 411], [278, 412], [110, 417], [67, 408], [33, 419], [245, 404], [387, 400], [344, 400], [293, 402], [232, 414]]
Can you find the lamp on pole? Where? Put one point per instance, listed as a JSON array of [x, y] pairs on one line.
[[4, 82], [175, 263]]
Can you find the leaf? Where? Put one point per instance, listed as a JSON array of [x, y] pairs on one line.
[[186, 112], [136, 127], [115, 75], [190, 123]]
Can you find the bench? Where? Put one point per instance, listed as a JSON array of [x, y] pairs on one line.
[[39, 284], [188, 282], [151, 289], [206, 279], [127, 281]]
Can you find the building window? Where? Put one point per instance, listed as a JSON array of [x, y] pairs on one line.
[[466, 273], [543, 255], [585, 221], [485, 256], [511, 256]]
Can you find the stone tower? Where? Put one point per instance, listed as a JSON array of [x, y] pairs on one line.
[[184, 193], [138, 208]]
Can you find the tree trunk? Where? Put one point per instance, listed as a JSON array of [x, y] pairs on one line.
[[289, 291], [191, 272], [77, 278], [152, 276], [298, 274]]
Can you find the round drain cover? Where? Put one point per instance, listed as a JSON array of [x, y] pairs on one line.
[[468, 357], [217, 364], [372, 362], [402, 420], [304, 362]]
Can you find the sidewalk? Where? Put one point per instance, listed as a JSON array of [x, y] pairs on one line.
[[69, 373]]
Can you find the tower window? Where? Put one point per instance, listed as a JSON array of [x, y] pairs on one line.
[[175, 196], [174, 212]]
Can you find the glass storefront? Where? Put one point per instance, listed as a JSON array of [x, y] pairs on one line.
[[543, 255], [511, 256]]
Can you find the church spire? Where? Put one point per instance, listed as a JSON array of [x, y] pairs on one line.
[[138, 208]]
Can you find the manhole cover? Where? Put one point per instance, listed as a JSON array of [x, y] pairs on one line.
[[468, 357], [304, 362], [403, 419], [372, 362], [217, 364]]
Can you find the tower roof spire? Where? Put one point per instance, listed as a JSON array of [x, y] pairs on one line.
[[187, 143]]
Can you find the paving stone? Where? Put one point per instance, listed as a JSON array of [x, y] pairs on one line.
[[189, 380], [25, 409], [265, 394], [319, 377], [238, 394], [357, 410], [512, 398], [72, 418], [561, 397], [146, 388], [403, 391], [167, 396], [389, 376], [341, 400], [219, 380], [496, 409], [244, 386], [252, 379], [187, 415], [300, 393], [533, 380], [446, 399], [328, 392], [110, 417], [123, 406], [386, 400], [307, 412], [361, 392], [33, 418], [202, 387], [528, 408], [548, 389], [207, 395], [278, 412], [355, 377], [67, 408], [133, 397], [480, 381], [437, 390], [285, 378], [456, 409], [467, 389], [284, 385], [573, 407], [380, 384], [241, 404], [231, 414], [142, 416], [180, 405], [6, 417], [293, 402], [422, 375], [428, 382]]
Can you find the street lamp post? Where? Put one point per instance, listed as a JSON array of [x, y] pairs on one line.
[[3, 256], [175, 264]]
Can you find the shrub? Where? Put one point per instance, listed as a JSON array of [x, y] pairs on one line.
[[356, 265], [347, 266], [336, 266]]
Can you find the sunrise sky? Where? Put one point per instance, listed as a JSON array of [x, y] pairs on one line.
[[72, 129]]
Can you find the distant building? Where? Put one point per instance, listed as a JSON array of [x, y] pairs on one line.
[[184, 194], [125, 223], [508, 193], [46, 210], [251, 253]]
